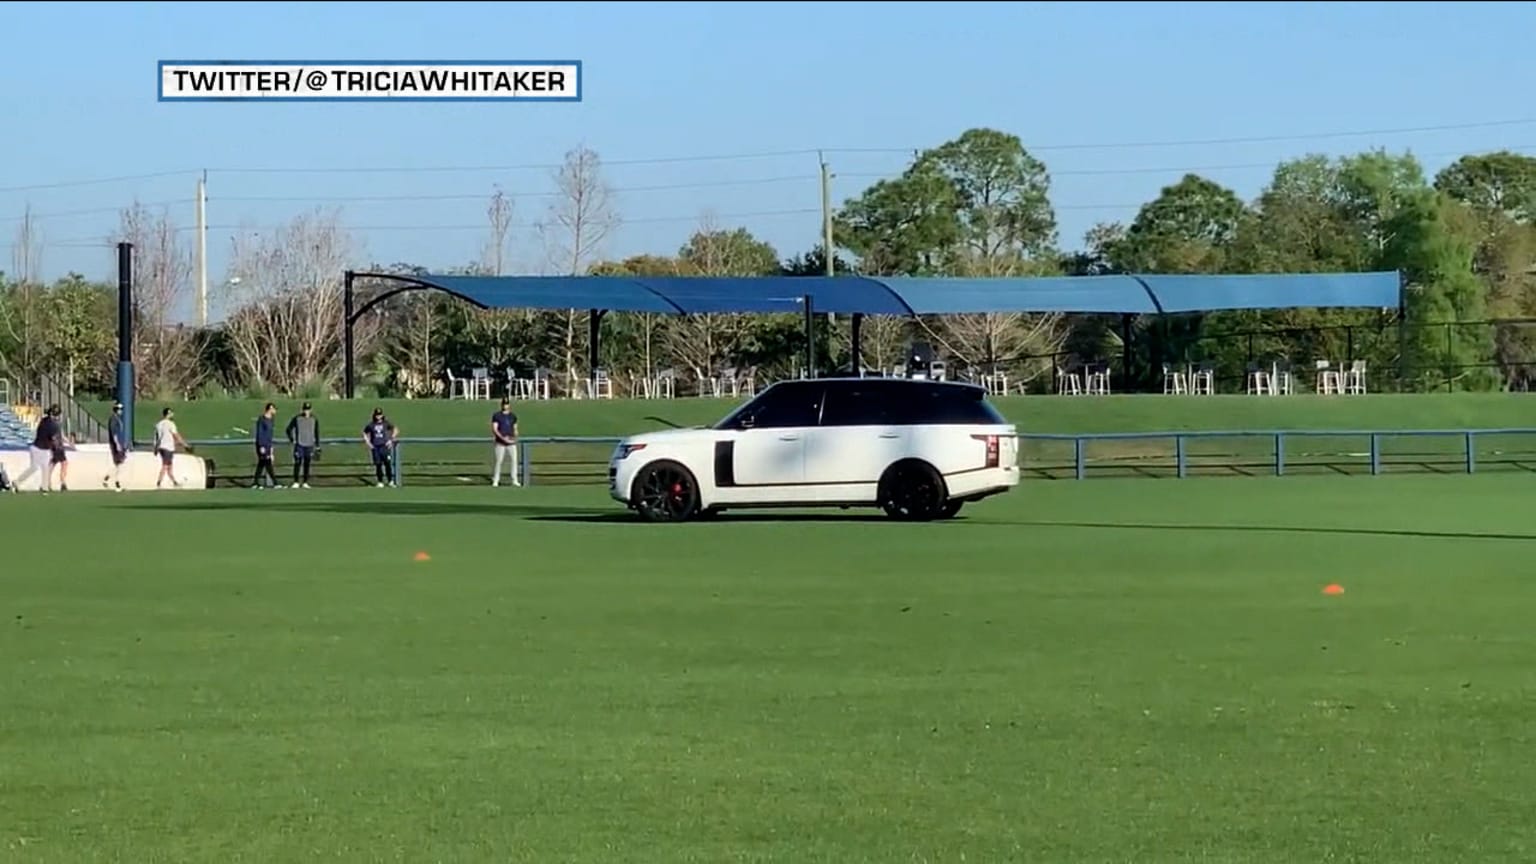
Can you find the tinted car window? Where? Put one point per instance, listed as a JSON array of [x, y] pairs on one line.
[[780, 406], [883, 403], [871, 403]]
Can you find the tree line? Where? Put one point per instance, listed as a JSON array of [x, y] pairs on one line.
[[978, 205]]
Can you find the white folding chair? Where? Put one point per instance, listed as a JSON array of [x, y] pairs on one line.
[[457, 386], [598, 385], [1068, 383], [480, 381], [665, 386], [1354, 379], [1173, 380], [1328, 380]]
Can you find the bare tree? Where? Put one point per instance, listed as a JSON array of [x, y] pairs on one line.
[[19, 311], [284, 293], [499, 214], [703, 342], [580, 219], [1000, 342], [167, 354]]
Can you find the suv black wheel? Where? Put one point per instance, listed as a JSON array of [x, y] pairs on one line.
[[950, 509], [666, 492], [912, 492]]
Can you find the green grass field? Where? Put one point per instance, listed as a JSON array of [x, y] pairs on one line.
[[1078, 672]]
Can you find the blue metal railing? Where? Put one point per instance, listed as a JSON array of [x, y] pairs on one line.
[[1275, 459], [1467, 453]]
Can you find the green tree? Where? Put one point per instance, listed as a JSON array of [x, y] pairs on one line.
[[1493, 183], [80, 316], [1189, 228]]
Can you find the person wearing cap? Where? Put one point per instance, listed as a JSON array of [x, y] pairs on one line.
[[48, 440], [380, 436], [304, 434], [265, 434], [504, 432], [58, 455], [117, 440]]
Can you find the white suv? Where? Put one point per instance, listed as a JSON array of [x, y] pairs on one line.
[[917, 449]]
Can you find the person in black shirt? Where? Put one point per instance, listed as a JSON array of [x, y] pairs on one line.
[[47, 450], [266, 433], [380, 435]]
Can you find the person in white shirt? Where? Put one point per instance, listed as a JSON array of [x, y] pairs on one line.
[[167, 438]]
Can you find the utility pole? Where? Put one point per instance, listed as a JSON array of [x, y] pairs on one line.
[[826, 214], [826, 234], [202, 250]]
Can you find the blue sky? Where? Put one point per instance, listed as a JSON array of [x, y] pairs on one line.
[[671, 80]]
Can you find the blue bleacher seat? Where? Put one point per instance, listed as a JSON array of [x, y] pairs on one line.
[[14, 432]]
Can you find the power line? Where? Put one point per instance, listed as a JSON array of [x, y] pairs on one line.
[[97, 182], [1247, 139], [481, 196], [91, 212], [771, 154], [526, 166]]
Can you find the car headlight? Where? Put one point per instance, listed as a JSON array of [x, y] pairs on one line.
[[624, 450]]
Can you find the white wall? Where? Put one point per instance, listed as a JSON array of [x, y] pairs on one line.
[[90, 470]]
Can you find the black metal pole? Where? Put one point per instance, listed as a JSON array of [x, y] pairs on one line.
[[856, 364], [810, 337], [594, 337], [1126, 329], [125, 382], [346, 300]]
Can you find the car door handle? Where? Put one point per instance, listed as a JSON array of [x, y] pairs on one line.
[[890, 434], [789, 437]]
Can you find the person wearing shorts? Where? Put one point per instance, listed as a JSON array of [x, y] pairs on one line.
[[48, 442], [167, 438], [117, 440]]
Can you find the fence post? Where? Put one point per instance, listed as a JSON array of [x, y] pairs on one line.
[[1178, 454], [1471, 453], [1375, 453], [523, 469], [394, 457], [1077, 453], [1279, 454]]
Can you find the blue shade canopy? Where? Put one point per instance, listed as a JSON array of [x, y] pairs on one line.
[[1275, 291], [889, 295]]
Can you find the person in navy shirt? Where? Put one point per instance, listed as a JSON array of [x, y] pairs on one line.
[[266, 434], [47, 450], [504, 433], [117, 440], [379, 436]]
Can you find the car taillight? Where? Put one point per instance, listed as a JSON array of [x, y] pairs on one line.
[[992, 454]]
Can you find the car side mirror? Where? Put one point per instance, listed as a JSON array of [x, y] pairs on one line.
[[746, 422]]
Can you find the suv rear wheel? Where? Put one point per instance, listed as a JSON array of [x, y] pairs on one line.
[[912, 492]]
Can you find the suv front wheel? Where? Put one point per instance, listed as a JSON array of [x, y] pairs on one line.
[[912, 492], [666, 492]]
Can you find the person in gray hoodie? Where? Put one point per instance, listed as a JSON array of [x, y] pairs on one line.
[[304, 434]]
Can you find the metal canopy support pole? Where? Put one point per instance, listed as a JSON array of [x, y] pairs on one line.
[[1125, 349], [810, 336], [856, 332], [346, 313], [125, 383], [594, 344]]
